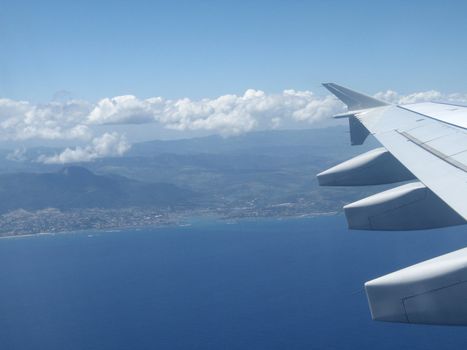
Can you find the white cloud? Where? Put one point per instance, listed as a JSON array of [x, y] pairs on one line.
[[20, 120], [124, 110], [227, 114], [77, 122], [424, 96], [108, 144]]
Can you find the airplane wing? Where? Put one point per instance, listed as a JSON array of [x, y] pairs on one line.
[[425, 143]]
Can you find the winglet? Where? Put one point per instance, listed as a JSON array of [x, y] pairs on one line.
[[354, 100]]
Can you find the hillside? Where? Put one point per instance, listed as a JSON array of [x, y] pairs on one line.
[[256, 170], [76, 187]]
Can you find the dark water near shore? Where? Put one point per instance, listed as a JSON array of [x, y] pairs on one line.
[[263, 284]]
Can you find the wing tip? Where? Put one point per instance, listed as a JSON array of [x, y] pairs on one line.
[[353, 99]]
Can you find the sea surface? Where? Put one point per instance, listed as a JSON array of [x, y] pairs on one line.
[[254, 284]]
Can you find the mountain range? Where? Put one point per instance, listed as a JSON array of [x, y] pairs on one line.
[[254, 170], [77, 187]]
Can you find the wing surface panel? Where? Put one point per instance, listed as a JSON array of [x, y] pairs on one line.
[[448, 113], [399, 130]]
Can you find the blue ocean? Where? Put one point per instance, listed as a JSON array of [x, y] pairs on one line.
[[254, 284]]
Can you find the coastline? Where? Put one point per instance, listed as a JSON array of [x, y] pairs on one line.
[[181, 221]]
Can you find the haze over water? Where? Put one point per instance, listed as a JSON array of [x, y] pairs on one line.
[[256, 284]]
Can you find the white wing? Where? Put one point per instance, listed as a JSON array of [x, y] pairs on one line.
[[426, 141]]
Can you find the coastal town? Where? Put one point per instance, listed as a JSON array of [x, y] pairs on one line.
[[52, 220]]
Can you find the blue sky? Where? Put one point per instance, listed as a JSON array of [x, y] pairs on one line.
[[95, 49], [97, 76]]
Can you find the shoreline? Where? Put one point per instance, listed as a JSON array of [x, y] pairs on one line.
[[182, 222]]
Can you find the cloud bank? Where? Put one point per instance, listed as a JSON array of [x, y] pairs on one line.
[[227, 114], [424, 96], [78, 121]]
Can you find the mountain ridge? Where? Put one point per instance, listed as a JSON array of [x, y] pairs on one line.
[[77, 187]]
